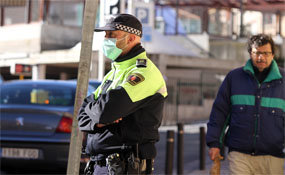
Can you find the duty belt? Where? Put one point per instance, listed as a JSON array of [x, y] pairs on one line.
[[100, 162]]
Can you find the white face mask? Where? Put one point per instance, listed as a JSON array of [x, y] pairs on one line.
[[110, 49]]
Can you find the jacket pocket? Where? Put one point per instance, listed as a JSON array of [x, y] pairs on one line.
[[272, 131], [239, 115], [241, 127], [278, 116]]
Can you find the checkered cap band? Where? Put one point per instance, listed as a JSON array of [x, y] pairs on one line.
[[128, 29]]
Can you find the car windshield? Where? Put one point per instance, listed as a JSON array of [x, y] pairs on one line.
[[37, 95]]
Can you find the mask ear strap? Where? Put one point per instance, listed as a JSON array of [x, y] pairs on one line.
[[125, 47], [122, 39]]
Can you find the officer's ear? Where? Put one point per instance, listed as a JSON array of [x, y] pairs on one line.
[[132, 38]]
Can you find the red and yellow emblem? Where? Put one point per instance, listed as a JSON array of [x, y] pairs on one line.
[[135, 79]]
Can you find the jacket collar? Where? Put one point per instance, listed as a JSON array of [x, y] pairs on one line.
[[136, 50], [131, 61], [273, 74]]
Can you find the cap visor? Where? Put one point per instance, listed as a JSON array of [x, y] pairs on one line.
[[105, 28]]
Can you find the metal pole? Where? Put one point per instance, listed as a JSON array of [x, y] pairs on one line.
[[202, 148], [177, 17], [241, 19], [83, 75], [122, 6], [263, 22], [279, 15], [101, 61], [29, 13], [41, 11], [222, 152], [2, 16], [177, 100], [169, 152], [180, 149]]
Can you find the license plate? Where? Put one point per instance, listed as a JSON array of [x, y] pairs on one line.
[[20, 153]]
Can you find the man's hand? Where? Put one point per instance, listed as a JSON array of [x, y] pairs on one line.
[[100, 125], [213, 153]]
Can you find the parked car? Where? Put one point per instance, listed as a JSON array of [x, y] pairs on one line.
[[1, 79], [94, 83], [36, 120]]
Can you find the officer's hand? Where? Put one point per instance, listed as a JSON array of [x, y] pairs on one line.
[[214, 152], [100, 125], [117, 121]]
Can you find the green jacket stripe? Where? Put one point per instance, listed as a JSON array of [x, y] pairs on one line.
[[243, 100], [273, 103]]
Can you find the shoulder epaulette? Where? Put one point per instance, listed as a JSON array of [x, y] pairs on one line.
[[141, 62]]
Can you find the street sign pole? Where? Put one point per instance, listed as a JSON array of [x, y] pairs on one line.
[[82, 84]]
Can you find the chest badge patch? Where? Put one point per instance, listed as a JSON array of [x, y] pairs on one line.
[[135, 79]]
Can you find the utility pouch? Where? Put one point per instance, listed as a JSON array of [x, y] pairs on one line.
[[139, 166], [116, 166], [89, 169], [134, 164]]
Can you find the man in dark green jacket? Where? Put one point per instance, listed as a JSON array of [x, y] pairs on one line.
[[251, 102], [123, 115]]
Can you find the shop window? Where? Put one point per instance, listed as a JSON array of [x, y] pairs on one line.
[[190, 92], [191, 19], [283, 25], [14, 15], [235, 22], [65, 13], [35, 11], [219, 22], [252, 22], [270, 25]]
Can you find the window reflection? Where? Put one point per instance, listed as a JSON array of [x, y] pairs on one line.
[[252, 22], [191, 19], [14, 15], [283, 25], [63, 13], [270, 25], [219, 22]]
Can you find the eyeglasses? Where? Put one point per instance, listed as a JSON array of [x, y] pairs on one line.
[[266, 54]]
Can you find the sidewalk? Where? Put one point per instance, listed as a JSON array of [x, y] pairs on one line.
[[191, 148], [224, 169]]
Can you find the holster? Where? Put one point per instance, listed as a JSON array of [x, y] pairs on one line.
[[119, 163], [89, 169]]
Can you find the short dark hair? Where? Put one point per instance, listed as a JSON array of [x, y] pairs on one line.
[[260, 40]]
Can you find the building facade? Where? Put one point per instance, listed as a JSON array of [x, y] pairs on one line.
[[194, 43]]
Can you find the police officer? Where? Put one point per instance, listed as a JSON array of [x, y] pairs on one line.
[[123, 115]]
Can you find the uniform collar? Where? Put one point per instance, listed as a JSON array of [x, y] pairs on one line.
[[130, 61], [136, 50], [273, 74]]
